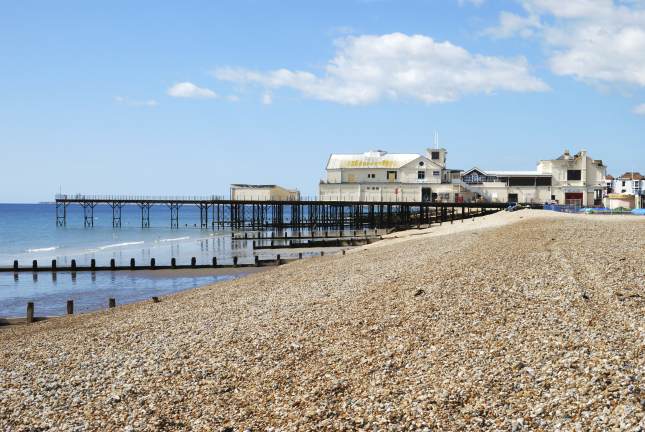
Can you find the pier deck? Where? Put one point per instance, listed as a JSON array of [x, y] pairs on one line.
[[221, 213]]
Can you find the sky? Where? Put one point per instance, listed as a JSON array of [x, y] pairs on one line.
[[185, 98]]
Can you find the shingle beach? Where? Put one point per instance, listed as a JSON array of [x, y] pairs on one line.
[[529, 320]]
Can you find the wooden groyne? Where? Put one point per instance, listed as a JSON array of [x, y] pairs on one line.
[[152, 265]]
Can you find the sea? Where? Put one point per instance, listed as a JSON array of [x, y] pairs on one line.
[[28, 232]]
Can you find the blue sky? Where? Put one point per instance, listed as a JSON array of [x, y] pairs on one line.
[[163, 97]]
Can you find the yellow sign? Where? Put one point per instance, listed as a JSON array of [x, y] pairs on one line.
[[366, 164]]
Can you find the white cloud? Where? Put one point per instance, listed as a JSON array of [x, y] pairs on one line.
[[640, 109], [511, 24], [267, 98], [598, 41], [150, 103], [190, 90], [367, 69], [233, 98]]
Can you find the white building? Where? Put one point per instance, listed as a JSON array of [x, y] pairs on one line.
[[381, 176], [628, 191], [569, 179], [247, 192]]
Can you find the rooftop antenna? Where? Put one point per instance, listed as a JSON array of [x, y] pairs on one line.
[[435, 137]]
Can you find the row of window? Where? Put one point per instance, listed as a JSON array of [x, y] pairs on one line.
[[392, 175]]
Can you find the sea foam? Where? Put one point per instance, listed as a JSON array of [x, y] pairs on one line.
[[116, 245], [173, 239], [45, 249]]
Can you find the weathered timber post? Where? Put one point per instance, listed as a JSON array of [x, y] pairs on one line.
[[299, 255], [30, 312], [234, 261], [153, 263], [193, 262], [112, 264], [132, 263], [15, 265], [111, 303], [70, 307], [277, 260], [257, 261], [322, 253], [155, 299], [34, 264], [53, 265], [214, 261], [73, 265], [93, 264]]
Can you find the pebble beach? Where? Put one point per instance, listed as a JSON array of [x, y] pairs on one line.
[[530, 320]]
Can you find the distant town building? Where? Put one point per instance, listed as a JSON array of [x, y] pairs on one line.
[[381, 176], [627, 191], [248, 192]]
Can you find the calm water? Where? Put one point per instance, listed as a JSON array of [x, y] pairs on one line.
[[28, 232]]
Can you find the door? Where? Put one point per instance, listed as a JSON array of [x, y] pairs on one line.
[[573, 198], [426, 194], [512, 198], [391, 176]]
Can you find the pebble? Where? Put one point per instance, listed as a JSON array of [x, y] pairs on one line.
[[500, 337]]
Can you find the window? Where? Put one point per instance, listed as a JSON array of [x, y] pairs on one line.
[[370, 175], [574, 175], [421, 175], [435, 155], [436, 173], [552, 197], [421, 163], [391, 175]]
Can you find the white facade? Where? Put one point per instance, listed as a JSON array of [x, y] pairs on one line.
[[627, 191], [379, 176]]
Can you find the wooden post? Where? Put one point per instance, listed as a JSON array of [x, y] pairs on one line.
[[34, 264], [173, 262], [193, 262], [343, 251], [93, 264], [257, 261], [73, 265], [234, 261], [153, 263], [214, 261], [322, 253], [132, 263], [277, 259], [30, 312], [299, 255], [53, 265], [111, 303], [155, 299], [70, 307], [112, 264]]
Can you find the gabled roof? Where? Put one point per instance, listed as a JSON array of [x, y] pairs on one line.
[[498, 173], [374, 159], [631, 176]]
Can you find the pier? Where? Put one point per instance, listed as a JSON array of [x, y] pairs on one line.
[[220, 213]]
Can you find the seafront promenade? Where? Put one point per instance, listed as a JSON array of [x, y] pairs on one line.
[[525, 320]]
